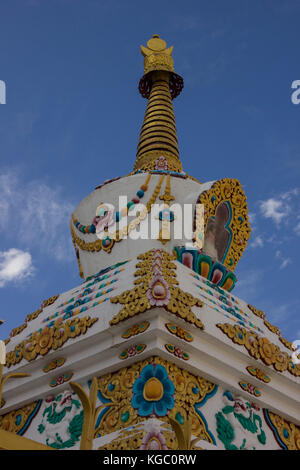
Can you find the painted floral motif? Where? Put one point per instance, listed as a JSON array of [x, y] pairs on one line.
[[250, 389], [238, 426], [153, 391], [177, 352], [44, 341], [115, 392], [166, 214], [132, 351], [261, 348], [61, 379], [136, 329], [180, 332], [267, 350], [259, 374], [153, 438], [54, 364], [158, 292]]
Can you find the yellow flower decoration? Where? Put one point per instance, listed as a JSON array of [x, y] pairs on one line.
[[44, 341], [267, 351], [281, 361]]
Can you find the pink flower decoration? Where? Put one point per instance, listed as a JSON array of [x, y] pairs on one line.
[[255, 406], [178, 352], [131, 351], [158, 292], [161, 163], [154, 441], [49, 398]]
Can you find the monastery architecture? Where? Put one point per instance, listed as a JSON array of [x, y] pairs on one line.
[[153, 350]]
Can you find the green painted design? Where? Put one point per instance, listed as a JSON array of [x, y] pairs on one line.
[[179, 418], [251, 423], [75, 428], [125, 416], [62, 421]]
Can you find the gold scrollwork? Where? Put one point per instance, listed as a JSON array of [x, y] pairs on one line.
[[272, 328], [229, 190], [15, 420], [287, 434], [40, 343], [259, 374], [116, 390], [135, 301], [258, 313], [260, 348]]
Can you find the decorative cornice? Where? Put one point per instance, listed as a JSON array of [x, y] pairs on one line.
[[30, 317], [273, 328], [48, 339], [260, 348]]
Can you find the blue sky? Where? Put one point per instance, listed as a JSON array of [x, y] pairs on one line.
[[73, 115]]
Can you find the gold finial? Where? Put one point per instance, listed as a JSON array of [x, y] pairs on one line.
[[160, 85], [157, 56]]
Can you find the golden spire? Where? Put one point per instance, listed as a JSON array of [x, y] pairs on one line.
[[158, 145]]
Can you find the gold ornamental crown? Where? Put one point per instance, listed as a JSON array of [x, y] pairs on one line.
[[157, 56]]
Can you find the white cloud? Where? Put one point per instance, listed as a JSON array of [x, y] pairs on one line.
[[37, 215], [288, 194], [297, 226], [278, 209], [15, 265], [258, 242], [252, 217], [285, 263], [274, 209]]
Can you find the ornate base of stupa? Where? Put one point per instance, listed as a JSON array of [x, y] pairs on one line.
[[168, 349]]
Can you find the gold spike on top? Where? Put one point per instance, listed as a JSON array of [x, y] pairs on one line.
[[158, 145]]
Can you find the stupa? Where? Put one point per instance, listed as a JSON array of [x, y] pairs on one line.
[[153, 350]]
